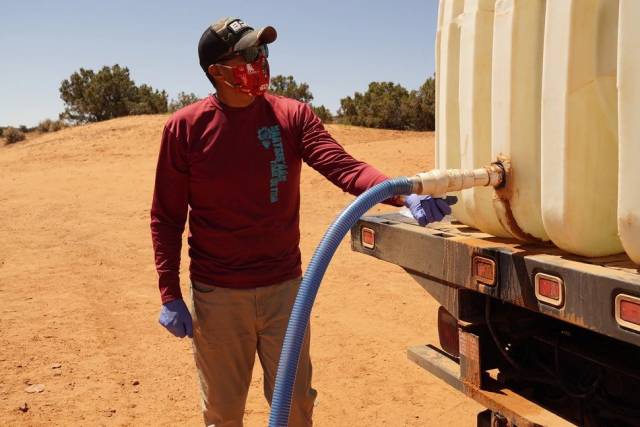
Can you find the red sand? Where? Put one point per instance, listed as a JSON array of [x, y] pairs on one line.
[[78, 288]]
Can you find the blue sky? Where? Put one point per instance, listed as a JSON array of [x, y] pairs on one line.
[[337, 47]]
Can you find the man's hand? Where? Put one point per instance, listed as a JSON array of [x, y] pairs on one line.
[[176, 318], [426, 209]]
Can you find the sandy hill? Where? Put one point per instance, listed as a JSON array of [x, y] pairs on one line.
[[78, 288]]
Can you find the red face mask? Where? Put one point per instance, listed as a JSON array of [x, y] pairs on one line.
[[252, 78]]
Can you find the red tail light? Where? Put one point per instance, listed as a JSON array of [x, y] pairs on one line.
[[448, 332], [549, 289], [628, 311], [484, 270], [368, 237]]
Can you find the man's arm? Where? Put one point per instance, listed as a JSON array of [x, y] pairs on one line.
[[169, 213], [325, 155]]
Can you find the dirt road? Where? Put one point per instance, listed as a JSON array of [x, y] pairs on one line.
[[79, 301]]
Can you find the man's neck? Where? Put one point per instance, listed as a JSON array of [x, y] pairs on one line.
[[234, 98]]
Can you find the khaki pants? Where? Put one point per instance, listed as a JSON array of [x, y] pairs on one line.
[[229, 326]]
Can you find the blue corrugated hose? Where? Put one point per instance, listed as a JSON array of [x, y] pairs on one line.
[[288, 364]]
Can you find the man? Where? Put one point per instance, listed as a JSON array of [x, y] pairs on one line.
[[232, 161]]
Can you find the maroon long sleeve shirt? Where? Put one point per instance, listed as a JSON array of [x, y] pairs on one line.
[[236, 173]]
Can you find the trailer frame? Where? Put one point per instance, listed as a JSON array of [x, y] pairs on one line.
[[465, 269]]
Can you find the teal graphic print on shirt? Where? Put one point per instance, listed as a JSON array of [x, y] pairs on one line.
[[270, 137]]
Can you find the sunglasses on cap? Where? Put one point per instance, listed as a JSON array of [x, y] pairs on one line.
[[250, 54]]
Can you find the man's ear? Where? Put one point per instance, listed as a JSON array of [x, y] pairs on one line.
[[214, 71]]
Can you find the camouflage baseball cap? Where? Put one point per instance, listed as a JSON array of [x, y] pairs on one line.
[[230, 35]]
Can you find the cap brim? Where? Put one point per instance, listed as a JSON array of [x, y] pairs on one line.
[[257, 37]]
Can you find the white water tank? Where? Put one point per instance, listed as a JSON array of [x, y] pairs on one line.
[[518, 35], [447, 86], [534, 84], [629, 127], [579, 126], [474, 98]]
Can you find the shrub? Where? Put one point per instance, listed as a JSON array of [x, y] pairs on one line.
[[287, 86], [425, 106], [56, 125], [381, 106], [147, 100], [45, 125], [107, 94], [49, 125], [182, 101], [323, 113], [390, 106], [13, 135]]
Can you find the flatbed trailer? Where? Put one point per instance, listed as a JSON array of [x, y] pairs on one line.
[[538, 336]]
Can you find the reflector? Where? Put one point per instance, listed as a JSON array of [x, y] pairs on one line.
[[549, 289], [627, 310], [368, 237], [448, 332], [484, 270]]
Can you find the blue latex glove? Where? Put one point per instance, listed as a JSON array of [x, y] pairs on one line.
[[426, 209], [176, 318]]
